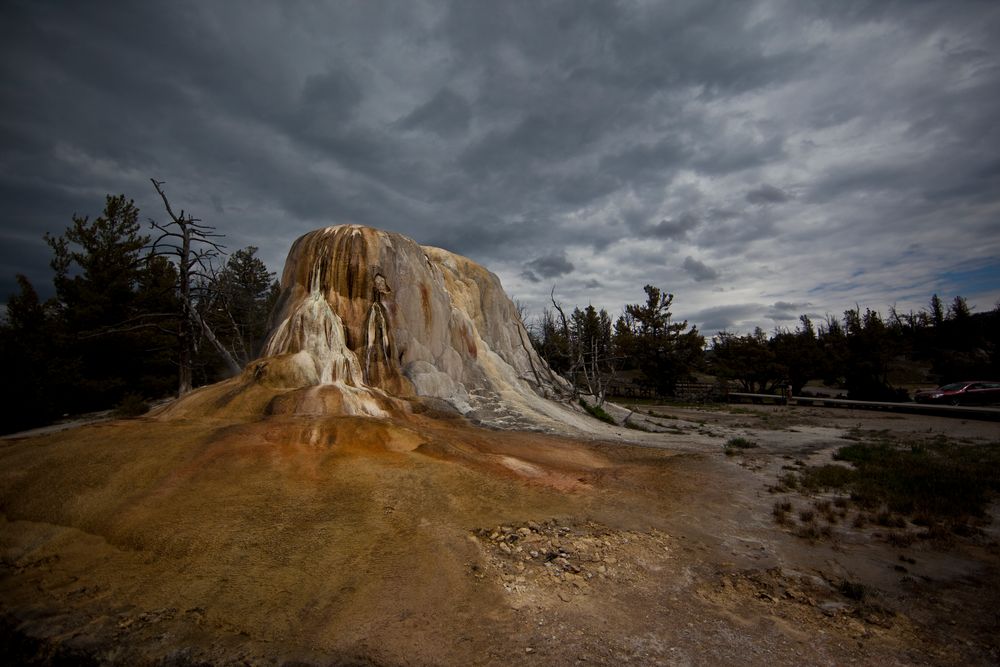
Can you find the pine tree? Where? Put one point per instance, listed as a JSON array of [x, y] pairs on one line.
[[665, 351], [98, 265]]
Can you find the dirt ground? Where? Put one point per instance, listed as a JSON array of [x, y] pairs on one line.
[[426, 541]]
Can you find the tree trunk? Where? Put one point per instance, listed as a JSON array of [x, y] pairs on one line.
[[190, 234], [184, 356], [231, 363]]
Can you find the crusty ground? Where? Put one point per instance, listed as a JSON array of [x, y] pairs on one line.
[[427, 541]]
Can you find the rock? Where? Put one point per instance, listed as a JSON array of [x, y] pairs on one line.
[[368, 319], [832, 608]]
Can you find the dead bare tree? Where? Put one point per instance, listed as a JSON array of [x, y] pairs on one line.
[[572, 357], [190, 244], [586, 356]]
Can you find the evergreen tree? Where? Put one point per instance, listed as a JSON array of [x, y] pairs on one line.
[[244, 295], [937, 310], [665, 351], [553, 343], [748, 360], [98, 266], [959, 309], [590, 331], [26, 345], [798, 354]]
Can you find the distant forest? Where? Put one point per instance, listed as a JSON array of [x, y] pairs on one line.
[[869, 355], [138, 317]]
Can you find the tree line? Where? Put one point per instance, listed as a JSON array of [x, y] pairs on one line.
[[869, 355], [866, 354], [134, 316]]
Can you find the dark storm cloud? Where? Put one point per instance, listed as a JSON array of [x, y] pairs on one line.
[[333, 94], [699, 270], [549, 266], [647, 161], [445, 114], [674, 228], [798, 139], [766, 194], [784, 310]]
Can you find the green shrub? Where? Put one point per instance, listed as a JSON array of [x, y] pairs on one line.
[[597, 412], [738, 443]]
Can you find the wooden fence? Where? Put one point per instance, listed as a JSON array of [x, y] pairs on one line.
[[690, 392]]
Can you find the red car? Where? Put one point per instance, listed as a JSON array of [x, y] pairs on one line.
[[962, 393]]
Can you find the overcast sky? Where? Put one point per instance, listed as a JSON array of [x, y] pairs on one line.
[[757, 159]]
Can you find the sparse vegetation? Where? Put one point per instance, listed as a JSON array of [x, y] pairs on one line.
[[786, 482], [939, 478], [830, 476], [853, 590], [781, 510], [940, 484], [829, 514], [902, 539], [889, 520], [813, 531], [597, 412], [628, 423], [740, 443], [733, 445]]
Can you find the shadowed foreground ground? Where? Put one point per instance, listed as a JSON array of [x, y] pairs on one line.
[[354, 541]]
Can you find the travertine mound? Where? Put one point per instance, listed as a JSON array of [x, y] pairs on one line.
[[367, 319]]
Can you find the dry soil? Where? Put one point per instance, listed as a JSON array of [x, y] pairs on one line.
[[427, 541]]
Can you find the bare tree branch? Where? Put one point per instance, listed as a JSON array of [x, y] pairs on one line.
[[191, 244]]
